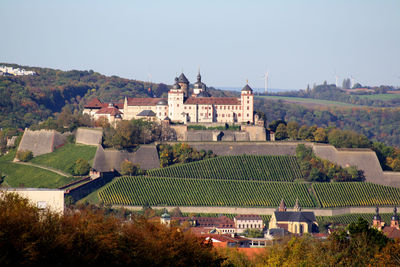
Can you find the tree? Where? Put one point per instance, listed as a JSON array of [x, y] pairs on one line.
[[274, 125], [281, 132], [81, 167], [128, 168], [320, 135], [24, 155], [293, 130]]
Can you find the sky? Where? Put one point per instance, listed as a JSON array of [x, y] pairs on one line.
[[297, 42]]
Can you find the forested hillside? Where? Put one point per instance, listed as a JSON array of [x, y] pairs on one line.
[[378, 124], [25, 100]]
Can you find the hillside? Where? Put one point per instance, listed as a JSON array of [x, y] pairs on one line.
[[377, 124], [25, 100]]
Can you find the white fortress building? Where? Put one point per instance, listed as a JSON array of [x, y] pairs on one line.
[[200, 107]]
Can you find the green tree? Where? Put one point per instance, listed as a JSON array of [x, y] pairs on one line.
[[128, 168], [81, 167], [24, 155], [293, 130], [281, 132]]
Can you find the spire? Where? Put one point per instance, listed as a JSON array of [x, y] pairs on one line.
[[282, 206], [377, 216], [297, 206]]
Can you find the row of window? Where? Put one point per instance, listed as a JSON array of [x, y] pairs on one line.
[[249, 226]]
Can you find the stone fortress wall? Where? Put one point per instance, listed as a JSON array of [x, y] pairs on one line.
[[42, 141], [88, 136]]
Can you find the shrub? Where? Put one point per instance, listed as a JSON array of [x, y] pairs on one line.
[[81, 167], [128, 168], [24, 155]]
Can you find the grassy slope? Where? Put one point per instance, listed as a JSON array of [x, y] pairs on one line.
[[64, 157], [29, 176]]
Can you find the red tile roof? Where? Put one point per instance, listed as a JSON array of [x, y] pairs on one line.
[[142, 101], [212, 101], [109, 110], [391, 232], [95, 103], [248, 217]]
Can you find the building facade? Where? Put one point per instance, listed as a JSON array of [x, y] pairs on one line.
[[199, 107]]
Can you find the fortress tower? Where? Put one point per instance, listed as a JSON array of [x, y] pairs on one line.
[[247, 103], [184, 84]]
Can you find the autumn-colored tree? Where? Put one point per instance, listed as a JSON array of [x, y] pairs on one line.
[[24, 155], [320, 135], [128, 168], [81, 167], [86, 237]]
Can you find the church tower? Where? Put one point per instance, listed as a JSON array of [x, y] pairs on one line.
[[198, 86], [395, 219], [377, 221]]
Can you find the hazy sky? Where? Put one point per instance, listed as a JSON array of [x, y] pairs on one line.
[[298, 42]]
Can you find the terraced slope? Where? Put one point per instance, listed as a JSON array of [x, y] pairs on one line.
[[244, 167], [158, 191]]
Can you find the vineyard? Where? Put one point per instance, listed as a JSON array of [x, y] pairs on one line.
[[349, 218], [158, 191], [332, 195], [244, 167]]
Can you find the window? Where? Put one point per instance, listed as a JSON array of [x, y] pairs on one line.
[[223, 115], [239, 115], [190, 107], [41, 205], [177, 105], [229, 115], [247, 97], [248, 108], [209, 114], [228, 107], [201, 114], [248, 115], [248, 102]]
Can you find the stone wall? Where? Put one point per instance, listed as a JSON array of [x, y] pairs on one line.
[[181, 131], [89, 136], [41, 142], [265, 211], [256, 133], [364, 159]]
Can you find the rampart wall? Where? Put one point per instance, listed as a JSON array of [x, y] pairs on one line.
[[88, 136], [42, 141]]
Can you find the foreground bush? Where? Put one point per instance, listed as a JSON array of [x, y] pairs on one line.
[[86, 238], [24, 155]]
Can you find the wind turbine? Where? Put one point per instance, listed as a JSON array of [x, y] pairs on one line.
[[265, 76]]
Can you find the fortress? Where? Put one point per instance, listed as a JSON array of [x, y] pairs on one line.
[[199, 107]]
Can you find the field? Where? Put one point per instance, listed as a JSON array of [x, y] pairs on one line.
[[331, 195], [64, 157], [263, 168], [309, 101], [383, 97], [157, 191]]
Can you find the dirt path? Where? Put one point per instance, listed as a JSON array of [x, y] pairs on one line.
[[45, 168]]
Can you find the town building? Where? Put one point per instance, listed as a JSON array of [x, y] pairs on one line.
[[42, 198], [199, 107], [248, 221], [295, 222]]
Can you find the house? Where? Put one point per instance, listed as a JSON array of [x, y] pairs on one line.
[[296, 221], [248, 221]]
